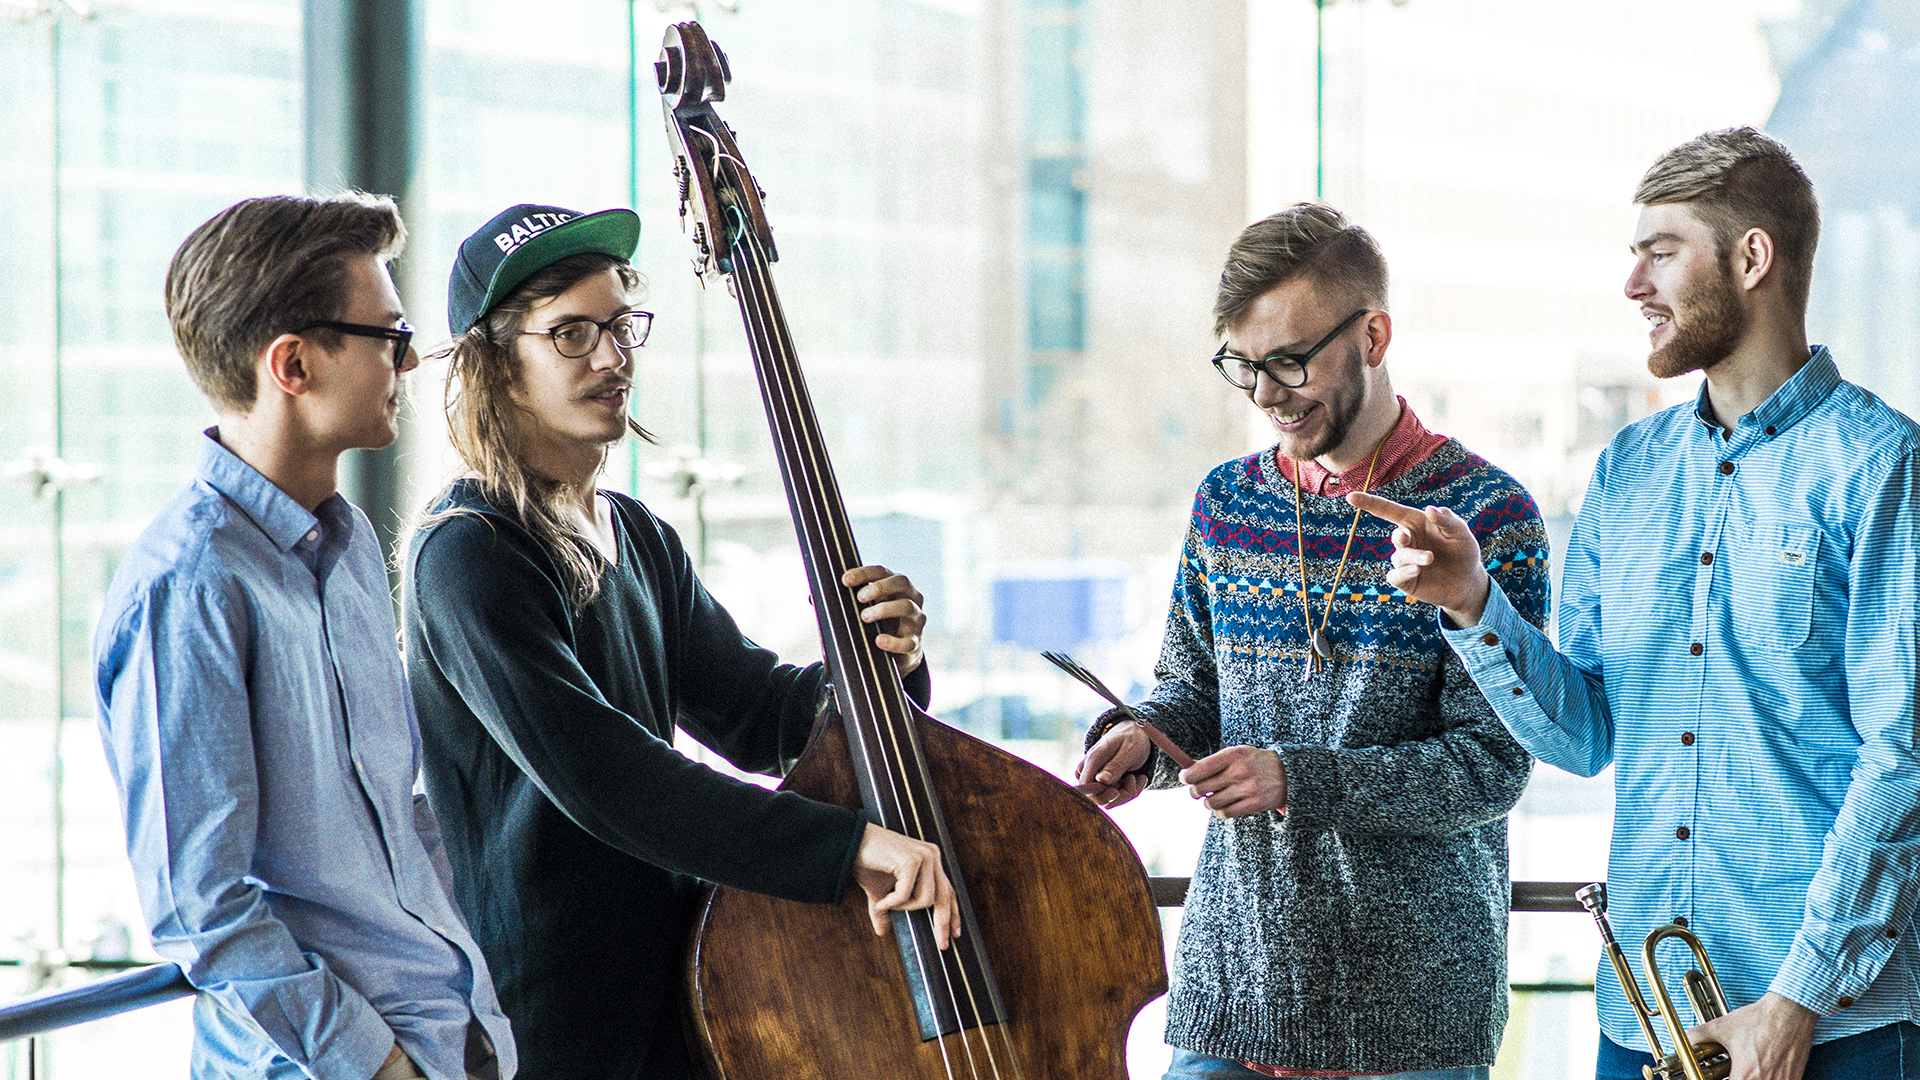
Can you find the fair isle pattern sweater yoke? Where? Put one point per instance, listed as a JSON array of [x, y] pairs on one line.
[[1365, 929]]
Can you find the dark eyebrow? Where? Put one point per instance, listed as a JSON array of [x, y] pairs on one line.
[[565, 319], [1656, 238]]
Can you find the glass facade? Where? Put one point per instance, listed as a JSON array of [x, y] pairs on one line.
[[1056, 192], [999, 225], [125, 126]]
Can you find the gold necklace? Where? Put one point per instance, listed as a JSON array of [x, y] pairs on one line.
[[1319, 646]]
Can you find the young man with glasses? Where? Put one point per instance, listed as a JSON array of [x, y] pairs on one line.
[[1737, 639], [254, 708], [1348, 916], [556, 637]]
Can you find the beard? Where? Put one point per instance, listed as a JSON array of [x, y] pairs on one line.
[[1708, 323], [1340, 410]]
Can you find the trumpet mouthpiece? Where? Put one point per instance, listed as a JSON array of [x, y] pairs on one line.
[[1593, 897]]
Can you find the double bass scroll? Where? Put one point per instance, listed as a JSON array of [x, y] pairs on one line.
[[1061, 943]]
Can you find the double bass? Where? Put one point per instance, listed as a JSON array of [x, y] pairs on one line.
[[1061, 941]]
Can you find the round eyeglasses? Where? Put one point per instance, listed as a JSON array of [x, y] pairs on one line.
[[1287, 369], [401, 335], [579, 337]]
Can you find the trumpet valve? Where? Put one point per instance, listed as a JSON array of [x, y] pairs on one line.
[[1714, 1062]]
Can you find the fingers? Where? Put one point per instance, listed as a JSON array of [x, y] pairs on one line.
[[1405, 578], [1112, 795], [900, 873], [1106, 773], [1208, 769], [907, 620], [877, 583], [1121, 750], [1232, 804], [1238, 781], [1386, 509], [891, 602]]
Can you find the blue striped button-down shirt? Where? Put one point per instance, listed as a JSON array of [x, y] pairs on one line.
[[1737, 637], [258, 724]]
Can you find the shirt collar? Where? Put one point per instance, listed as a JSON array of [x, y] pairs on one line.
[[1407, 445], [276, 513], [1785, 407]]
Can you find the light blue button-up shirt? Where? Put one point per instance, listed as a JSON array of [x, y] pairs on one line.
[[1737, 638], [257, 721]]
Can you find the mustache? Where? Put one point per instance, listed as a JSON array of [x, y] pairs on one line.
[[607, 386]]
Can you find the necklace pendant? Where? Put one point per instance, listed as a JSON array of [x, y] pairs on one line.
[[1322, 646]]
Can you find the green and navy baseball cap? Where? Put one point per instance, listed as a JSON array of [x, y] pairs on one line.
[[519, 241]]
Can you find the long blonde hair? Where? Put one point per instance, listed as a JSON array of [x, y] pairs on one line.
[[484, 422]]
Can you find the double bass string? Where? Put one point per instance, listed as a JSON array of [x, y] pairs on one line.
[[795, 414], [786, 394]]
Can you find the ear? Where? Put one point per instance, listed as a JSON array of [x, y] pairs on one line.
[[285, 364], [1753, 258], [1379, 326]]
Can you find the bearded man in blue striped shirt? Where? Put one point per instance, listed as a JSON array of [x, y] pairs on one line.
[[1737, 638]]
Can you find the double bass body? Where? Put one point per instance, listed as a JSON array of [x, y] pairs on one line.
[[1060, 905], [1061, 942]]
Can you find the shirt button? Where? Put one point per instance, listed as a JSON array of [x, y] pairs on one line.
[[1845, 1002], [312, 535], [1891, 932], [1686, 738], [1696, 648], [1769, 429], [1519, 690], [1680, 921], [1706, 558], [1491, 639], [1682, 832], [1726, 468]]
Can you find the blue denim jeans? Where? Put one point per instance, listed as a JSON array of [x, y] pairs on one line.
[[1188, 1065], [1891, 1052]]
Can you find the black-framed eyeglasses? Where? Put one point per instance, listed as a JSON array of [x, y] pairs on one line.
[[401, 336], [580, 337], [1287, 369]]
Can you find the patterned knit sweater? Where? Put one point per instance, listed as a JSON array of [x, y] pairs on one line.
[[1364, 930]]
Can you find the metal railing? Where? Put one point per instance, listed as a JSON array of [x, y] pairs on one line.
[[153, 984], [97, 1000]]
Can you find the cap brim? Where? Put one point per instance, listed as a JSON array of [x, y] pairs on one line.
[[609, 232]]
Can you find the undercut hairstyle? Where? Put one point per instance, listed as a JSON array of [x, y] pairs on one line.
[[266, 267], [1306, 238], [485, 423], [1737, 179]]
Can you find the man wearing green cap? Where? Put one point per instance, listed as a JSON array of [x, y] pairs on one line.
[[557, 635]]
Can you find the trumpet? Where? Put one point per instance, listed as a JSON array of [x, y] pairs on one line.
[[1694, 1061]]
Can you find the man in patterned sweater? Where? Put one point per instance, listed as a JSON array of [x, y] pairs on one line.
[[1349, 913]]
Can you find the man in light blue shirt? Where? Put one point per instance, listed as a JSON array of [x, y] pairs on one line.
[[252, 701], [1737, 638]]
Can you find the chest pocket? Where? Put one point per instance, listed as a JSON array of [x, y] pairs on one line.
[[1771, 573]]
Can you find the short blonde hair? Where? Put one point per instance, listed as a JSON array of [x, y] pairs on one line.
[[1737, 179], [1305, 238]]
